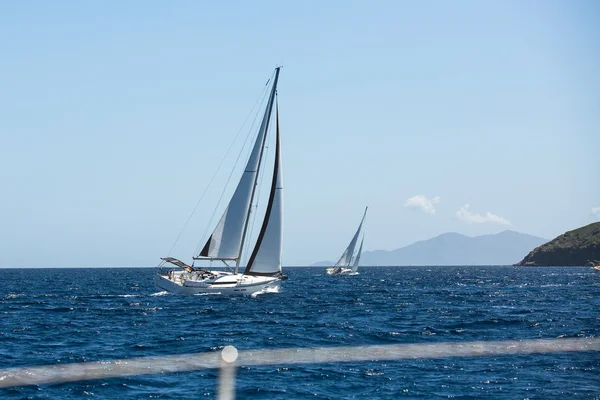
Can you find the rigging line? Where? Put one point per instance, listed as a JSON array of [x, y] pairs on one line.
[[262, 174], [211, 220], [257, 202], [262, 95], [355, 253], [254, 207]]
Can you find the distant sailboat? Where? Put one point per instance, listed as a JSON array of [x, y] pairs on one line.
[[263, 270], [348, 262]]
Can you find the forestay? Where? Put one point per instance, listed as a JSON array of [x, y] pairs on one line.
[[357, 259]]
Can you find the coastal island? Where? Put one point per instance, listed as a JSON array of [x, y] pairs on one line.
[[573, 248]]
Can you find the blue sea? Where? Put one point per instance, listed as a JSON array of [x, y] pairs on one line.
[[54, 316]]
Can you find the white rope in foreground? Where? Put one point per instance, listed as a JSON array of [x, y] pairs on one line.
[[230, 358]]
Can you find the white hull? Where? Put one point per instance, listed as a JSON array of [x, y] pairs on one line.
[[179, 282], [340, 271]]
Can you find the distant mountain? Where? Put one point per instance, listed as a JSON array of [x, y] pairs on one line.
[[573, 248], [323, 264], [503, 248]]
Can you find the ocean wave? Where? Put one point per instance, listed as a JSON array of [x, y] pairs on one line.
[[163, 293], [13, 296], [265, 291], [102, 318]]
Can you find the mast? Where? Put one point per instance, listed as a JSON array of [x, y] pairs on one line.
[[357, 258], [227, 240], [266, 256], [266, 119]]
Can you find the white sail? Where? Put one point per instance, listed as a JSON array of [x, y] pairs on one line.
[[227, 238], [357, 258], [346, 257], [266, 256]]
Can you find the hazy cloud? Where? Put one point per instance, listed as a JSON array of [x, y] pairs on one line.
[[596, 211], [422, 203], [466, 215]]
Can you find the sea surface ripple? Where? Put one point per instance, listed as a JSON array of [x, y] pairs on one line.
[[54, 316]]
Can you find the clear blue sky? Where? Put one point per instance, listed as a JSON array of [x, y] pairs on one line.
[[113, 116]]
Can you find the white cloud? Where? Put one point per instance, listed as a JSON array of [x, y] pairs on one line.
[[466, 215], [422, 203], [596, 211]]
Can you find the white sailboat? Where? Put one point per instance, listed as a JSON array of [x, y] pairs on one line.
[[263, 269], [348, 262]]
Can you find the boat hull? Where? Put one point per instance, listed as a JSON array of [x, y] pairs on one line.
[[238, 285], [340, 271]]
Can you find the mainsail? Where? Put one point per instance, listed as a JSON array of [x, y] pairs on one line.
[[266, 256], [346, 257], [227, 239]]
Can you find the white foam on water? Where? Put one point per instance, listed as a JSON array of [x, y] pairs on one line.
[[266, 290], [164, 292]]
